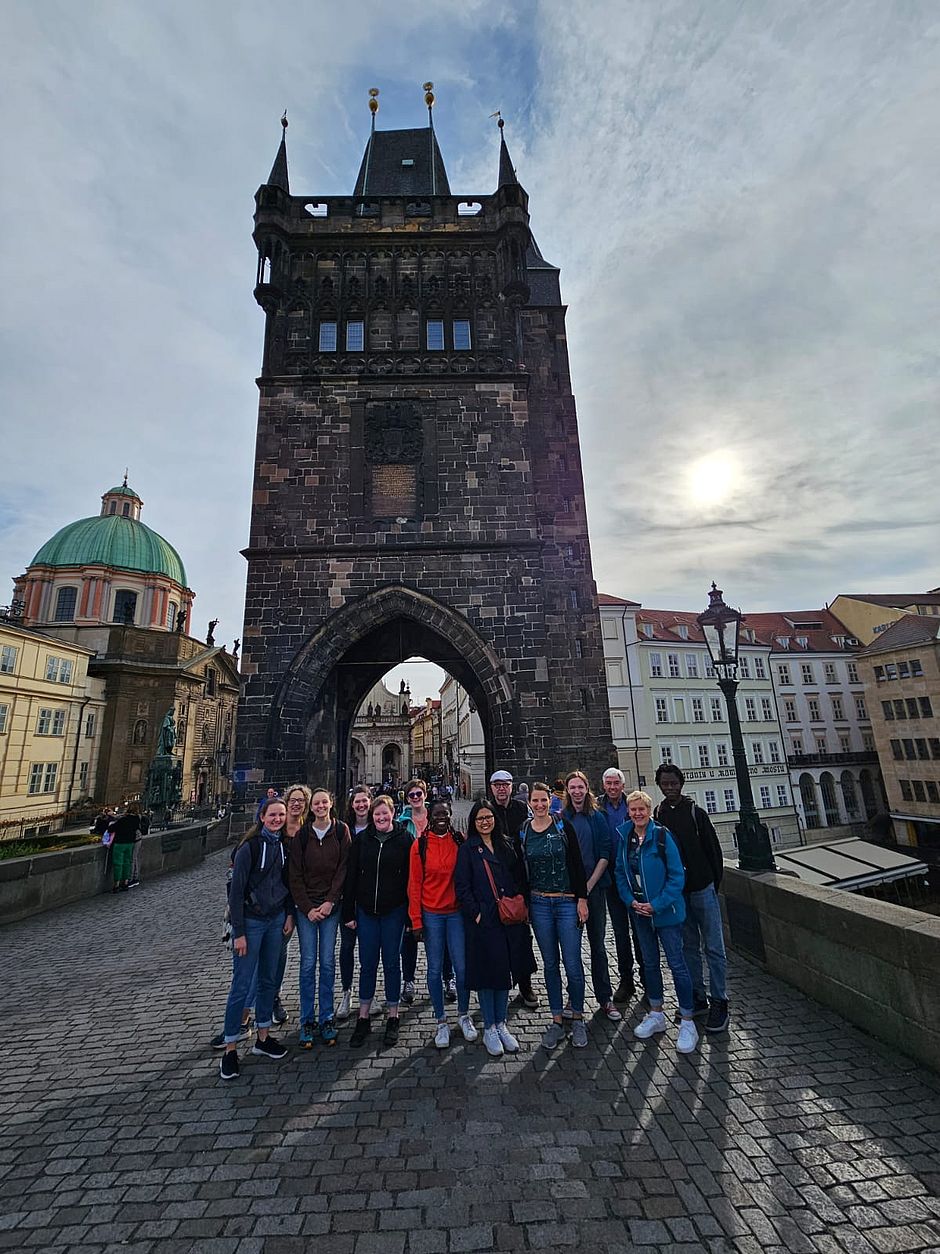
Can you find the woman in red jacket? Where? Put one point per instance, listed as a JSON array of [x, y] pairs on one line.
[[436, 918]]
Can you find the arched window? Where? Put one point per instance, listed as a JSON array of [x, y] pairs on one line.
[[126, 510], [65, 601], [171, 612], [125, 606]]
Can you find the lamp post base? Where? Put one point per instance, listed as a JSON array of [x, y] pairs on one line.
[[755, 853]]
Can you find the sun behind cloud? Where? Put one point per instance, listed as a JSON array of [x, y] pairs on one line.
[[714, 478]]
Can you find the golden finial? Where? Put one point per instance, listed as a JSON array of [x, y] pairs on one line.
[[429, 94], [373, 100], [284, 119]]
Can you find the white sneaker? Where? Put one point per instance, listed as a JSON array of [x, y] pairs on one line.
[[342, 1010], [493, 1042], [654, 1022], [466, 1026], [688, 1037], [509, 1042], [442, 1036]]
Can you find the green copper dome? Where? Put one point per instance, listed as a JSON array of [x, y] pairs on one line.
[[112, 541]]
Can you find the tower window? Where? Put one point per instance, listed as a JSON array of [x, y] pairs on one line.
[[435, 333], [65, 601], [462, 334], [113, 508], [327, 337], [125, 606], [355, 337], [126, 510]]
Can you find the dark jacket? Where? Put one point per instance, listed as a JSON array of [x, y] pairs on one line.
[[573, 860], [126, 829], [377, 873], [258, 888], [661, 874], [498, 955], [698, 842], [510, 819], [317, 868], [600, 832]]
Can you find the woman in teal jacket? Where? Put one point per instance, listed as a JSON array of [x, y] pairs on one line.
[[650, 879]]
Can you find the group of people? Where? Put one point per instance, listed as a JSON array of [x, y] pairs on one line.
[[122, 833], [551, 867]]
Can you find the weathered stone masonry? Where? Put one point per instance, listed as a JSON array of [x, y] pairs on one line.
[[486, 568]]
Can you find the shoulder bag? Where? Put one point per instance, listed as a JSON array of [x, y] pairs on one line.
[[511, 909]]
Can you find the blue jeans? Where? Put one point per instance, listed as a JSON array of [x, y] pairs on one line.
[[347, 956], [494, 1005], [670, 938], [381, 934], [624, 937], [281, 965], [596, 928], [703, 927], [264, 950], [555, 924], [317, 956], [441, 930], [409, 957]]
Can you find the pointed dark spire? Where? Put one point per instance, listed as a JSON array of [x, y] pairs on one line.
[[278, 175], [507, 175]]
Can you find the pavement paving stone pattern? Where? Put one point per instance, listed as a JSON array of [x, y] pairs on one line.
[[793, 1133]]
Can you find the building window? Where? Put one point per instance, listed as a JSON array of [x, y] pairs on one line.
[[765, 797], [897, 751], [89, 726], [760, 670], [717, 712], [853, 672], [42, 777], [933, 793], [656, 666], [773, 749], [913, 710], [926, 709], [904, 671], [4, 715], [767, 709], [806, 671], [662, 710], [744, 666], [750, 709], [916, 669], [8, 659], [757, 749], [906, 789], [781, 794], [50, 722], [887, 710], [673, 660], [65, 601], [691, 665], [83, 776], [921, 746], [891, 671], [698, 710], [837, 711], [435, 336], [722, 750], [58, 670], [730, 803], [711, 801], [830, 672], [783, 673], [812, 704], [797, 745], [665, 754], [462, 335], [704, 757], [327, 340], [918, 786], [355, 337], [210, 682], [821, 746], [880, 674], [125, 606], [900, 709]]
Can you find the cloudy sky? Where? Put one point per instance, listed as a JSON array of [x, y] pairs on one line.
[[742, 198]]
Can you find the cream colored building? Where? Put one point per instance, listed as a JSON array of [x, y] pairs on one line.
[[380, 744], [867, 615], [463, 740], [51, 716]]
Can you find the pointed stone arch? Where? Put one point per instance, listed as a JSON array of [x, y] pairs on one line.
[[322, 687]]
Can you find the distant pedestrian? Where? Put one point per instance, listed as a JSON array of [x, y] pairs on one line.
[[268, 796], [261, 911], [650, 879], [102, 821], [126, 831]]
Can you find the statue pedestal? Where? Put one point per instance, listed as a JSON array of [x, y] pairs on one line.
[[164, 785]]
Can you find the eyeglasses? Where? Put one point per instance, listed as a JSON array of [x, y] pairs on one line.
[[485, 818], [412, 795]]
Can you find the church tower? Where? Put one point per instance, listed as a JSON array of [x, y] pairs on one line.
[[418, 485]]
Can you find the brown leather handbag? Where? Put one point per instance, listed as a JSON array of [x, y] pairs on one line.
[[511, 909]]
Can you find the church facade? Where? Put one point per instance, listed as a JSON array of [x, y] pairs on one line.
[[418, 487]]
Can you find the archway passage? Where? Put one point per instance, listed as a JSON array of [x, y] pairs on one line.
[[310, 722]]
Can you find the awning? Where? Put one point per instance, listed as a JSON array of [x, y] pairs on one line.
[[848, 864]]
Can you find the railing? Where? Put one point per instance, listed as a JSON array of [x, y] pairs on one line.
[[862, 757]]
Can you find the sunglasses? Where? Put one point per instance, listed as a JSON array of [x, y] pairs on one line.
[[412, 795]]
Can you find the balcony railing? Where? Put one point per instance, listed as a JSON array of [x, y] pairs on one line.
[[861, 757]]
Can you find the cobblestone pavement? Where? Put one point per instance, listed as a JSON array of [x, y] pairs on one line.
[[794, 1133]]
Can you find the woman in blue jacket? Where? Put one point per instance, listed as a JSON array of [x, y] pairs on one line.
[[650, 880]]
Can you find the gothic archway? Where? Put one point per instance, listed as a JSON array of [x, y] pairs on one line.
[[311, 717]]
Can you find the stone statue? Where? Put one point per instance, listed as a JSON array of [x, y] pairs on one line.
[[210, 635], [167, 735], [236, 645], [181, 620]]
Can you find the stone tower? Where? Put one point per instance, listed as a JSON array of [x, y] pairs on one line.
[[418, 484]]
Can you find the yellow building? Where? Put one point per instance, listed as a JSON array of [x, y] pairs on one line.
[[868, 615], [51, 715]]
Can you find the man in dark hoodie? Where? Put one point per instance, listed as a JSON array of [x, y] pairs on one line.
[[701, 856]]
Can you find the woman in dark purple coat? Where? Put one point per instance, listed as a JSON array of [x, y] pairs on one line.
[[498, 954]]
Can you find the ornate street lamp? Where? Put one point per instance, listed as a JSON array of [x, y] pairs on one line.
[[721, 627]]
